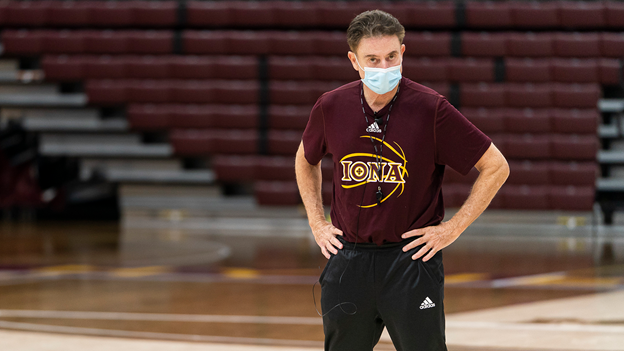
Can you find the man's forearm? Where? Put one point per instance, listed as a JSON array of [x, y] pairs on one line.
[[483, 191], [309, 181]]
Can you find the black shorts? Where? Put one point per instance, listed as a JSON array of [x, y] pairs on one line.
[[382, 286]]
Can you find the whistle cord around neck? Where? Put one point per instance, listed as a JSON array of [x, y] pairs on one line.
[[378, 155]]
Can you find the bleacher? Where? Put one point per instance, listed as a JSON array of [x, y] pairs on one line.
[[232, 83]]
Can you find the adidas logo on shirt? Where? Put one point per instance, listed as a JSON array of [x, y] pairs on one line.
[[373, 128], [427, 304]]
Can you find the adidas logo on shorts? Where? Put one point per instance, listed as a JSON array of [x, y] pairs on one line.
[[373, 128], [427, 304]]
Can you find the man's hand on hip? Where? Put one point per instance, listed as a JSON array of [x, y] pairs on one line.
[[325, 235], [435, 239]]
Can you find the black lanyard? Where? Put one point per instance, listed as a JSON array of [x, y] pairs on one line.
[[378, 157]]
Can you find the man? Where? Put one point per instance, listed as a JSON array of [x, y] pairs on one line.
[[390, 139]]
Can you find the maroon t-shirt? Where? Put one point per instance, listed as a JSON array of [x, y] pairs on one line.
[[425, 133]]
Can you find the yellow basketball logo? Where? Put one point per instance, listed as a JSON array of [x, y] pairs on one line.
[[369, 172]]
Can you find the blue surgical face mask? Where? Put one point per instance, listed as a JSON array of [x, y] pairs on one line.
[[381, 80]]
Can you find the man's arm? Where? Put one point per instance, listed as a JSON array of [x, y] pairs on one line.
[[309, 180], [493, 172]]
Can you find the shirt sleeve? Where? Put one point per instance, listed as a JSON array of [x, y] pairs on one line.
[[458, 143], [314, 142]]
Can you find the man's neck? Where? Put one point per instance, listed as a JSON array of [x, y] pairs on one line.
[[378, 101]]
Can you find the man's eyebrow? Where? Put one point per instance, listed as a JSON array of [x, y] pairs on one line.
[[393, 52]]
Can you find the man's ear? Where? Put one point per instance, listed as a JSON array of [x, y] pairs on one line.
[[351, 57]]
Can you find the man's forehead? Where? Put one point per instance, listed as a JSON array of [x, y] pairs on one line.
[[379, 46]]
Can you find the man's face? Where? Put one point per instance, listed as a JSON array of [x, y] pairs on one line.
[[379, 52]]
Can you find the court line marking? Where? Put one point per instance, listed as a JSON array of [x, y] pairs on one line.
[[207, 318], [161, 317], [153, 335]]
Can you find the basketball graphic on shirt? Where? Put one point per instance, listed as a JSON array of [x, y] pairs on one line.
[[393, 171]]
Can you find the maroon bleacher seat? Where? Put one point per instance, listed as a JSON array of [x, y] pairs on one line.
[[283, 142], [247, 42], [208, 13], [575, 70], [530, 44], [329, 43], [426, 69], [277, 193], [63, 68], [483, 44], [205, 42], [289, 116], [22, 41], [290, 68], [295, 14], [111, 13], [576, 95], [488, 14], [151, 41], [234, 168], [292, 92], [574, 147], [193, 91], [108, 41], [291, 43], [488, 120], [500, 140], [147, 66], [527, 197], [471, 70], [534, 14], [275, 168], [449, 195], [235, 116], [527, 120], [582, 14], [236, 141], [104, 67], [529, 172], [527, 70], [334, 69], [612, 44], [27, 13], [482, 94], [528, 146], [63, 42], [432, 14], [192, 116], [581, 121], [236, 91], [149, 116], [107, 91], [149, 90], [529, 94], [610, 71], [572, 198], [577, 44], [614, 14], [155, 13], [69, 13], [427, 43], [235, 67], [192, 67], [193, 142], [338, 13], [252, 13], [574, 173]]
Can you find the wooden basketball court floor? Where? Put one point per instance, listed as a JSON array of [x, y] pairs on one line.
[[172, 281]]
